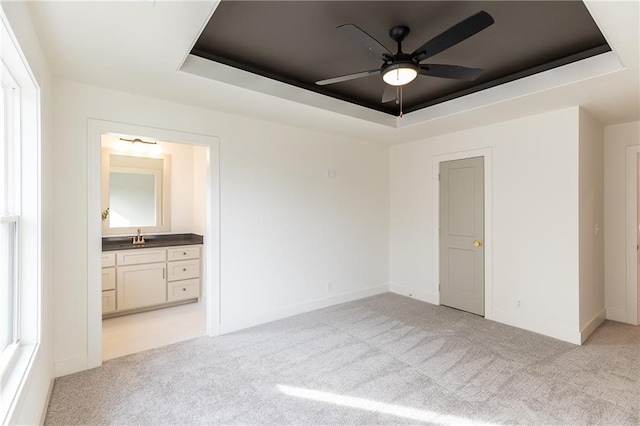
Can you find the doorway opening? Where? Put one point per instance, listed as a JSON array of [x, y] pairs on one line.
[[194, 211], [157, 189]]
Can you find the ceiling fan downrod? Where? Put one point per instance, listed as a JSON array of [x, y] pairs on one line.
[[398, 34]]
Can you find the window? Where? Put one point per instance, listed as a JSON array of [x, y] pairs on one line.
[[20, 223], [9, 217]]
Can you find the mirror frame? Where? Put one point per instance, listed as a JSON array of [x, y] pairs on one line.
[[165, 217]]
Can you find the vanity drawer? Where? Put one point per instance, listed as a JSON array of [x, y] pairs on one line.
[[183, 270], [108, 301], [183, 253], [187, 289], [108, 278], [139, 256], [108, 259]]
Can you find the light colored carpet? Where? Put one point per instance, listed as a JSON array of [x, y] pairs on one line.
[[381, 360]]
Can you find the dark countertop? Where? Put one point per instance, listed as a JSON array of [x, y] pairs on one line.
[[152, 241]]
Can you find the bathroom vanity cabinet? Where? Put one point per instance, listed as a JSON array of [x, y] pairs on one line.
[[140, 279]]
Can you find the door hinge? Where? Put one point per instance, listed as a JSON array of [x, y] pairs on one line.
[[438, 287], [438, 176]]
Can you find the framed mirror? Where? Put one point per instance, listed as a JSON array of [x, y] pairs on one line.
[[136, 193]]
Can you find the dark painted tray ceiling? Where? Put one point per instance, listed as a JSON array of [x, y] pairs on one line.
[[296, 42]]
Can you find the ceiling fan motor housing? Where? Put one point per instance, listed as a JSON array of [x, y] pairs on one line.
[[400, 70], [399, 33]]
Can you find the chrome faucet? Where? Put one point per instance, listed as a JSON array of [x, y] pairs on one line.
[[139, 239]]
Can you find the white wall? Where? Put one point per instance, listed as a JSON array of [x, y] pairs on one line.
[[534, 242], [286, 228], [591, 206], [183, 193], [31, 401], [289, 229], [617, 138]]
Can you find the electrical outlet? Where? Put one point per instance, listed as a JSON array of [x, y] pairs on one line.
[[519, 303], [329, 285]]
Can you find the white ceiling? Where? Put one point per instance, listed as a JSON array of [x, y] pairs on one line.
[[140, 47]]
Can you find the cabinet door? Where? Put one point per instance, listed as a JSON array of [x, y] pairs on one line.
[[108, 278], [141, 285]]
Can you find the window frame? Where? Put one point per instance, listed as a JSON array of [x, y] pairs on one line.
[[20, 362], [10, 201]]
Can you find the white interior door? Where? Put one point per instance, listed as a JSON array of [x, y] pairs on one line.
[[462, 234]]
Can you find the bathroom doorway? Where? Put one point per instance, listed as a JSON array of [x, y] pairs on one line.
[[194, 211], [152, 191]]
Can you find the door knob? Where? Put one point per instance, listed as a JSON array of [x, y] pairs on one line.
[[477, 243]]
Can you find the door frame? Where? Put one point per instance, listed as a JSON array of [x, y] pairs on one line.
[[488, 220], [633, 156], [211, 250]]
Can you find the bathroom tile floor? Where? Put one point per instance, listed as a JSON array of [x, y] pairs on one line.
[[129, 334]]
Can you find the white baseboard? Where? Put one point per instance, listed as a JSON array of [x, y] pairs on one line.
[[43, 414], [540, 327], [592, 325], [288, 311], [423, 296], [619, 315]]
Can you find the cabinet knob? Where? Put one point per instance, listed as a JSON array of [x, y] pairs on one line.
[[184, 253], [184, 269], [184, 289]]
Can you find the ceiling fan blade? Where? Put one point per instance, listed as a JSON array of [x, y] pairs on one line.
[[347, 77], [454, 35], [455, 72], [390, 93], [363, 39]]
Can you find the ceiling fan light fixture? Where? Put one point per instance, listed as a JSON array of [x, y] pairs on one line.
[[399, 74]]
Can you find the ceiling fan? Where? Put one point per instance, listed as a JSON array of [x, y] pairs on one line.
[[402, 68]]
